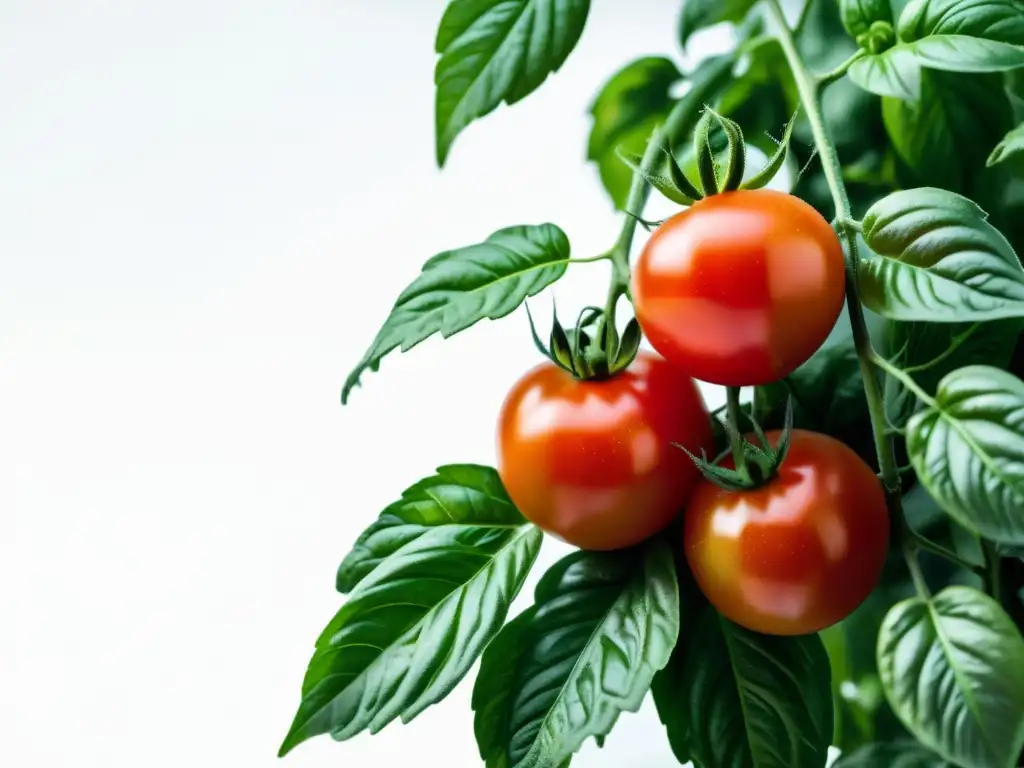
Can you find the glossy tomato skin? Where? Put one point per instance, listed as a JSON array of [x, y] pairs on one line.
[[740, 288], [798, 554], [592, 462]]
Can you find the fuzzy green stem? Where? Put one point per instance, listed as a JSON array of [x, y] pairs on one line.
[[810, 97], [830, 77], [734, 413], [639, 191], [902, 377]]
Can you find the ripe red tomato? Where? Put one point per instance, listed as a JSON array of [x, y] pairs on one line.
[[592, 462], [798, 554], [740, 288]]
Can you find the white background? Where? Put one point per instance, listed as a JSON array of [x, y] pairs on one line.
[[206, 209]]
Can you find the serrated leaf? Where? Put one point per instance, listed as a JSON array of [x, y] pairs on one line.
[[601, 626], [700, 14], [462, 498], [968, 450], [756, 700], [1011, 144], [953, 670], [938, 259], [626, 111], [950, 35], [900, 754], [459, 288], [415, 624], [495, 51]]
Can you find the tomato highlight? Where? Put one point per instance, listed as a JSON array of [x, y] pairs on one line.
[[593, 462], [741, 288], [795, 555]]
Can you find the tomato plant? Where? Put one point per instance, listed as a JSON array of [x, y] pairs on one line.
[[593, 462], [849, 571], [797, 554], [741, 288]]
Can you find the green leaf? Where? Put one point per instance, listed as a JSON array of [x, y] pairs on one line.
[[601, 626], [858, 15], [950, 35], [457, 289], [897, 72], [756, 700], [700, 14], [707, 78], [945, 136], [463, 499], [762, 95], [1012, 144], [497, 50], [917, 344], [901, 754], [414, 625], [658, 178], [968, 450], [936, 258], [626, 111], [999, 20], [670, 702], [953, 669], [775, 161]]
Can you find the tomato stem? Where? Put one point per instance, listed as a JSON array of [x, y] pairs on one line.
[[734, 412], [639, 191], [809, 89]]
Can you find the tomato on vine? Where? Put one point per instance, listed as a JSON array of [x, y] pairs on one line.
[[740, 288], [797, 554], [593, 462]]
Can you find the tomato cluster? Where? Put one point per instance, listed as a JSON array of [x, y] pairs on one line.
[[740, 289]]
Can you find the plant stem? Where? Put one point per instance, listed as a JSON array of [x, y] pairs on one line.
[[734, 413], [954, 345], [910, 555], [810, 96], [639, 191], [993, 573], [830, 77], [902, 377], [591, 259], [937, 549]]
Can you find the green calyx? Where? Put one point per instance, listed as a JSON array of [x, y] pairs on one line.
[[878, 38], [592, 350], [720, 153], [757, 464]]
